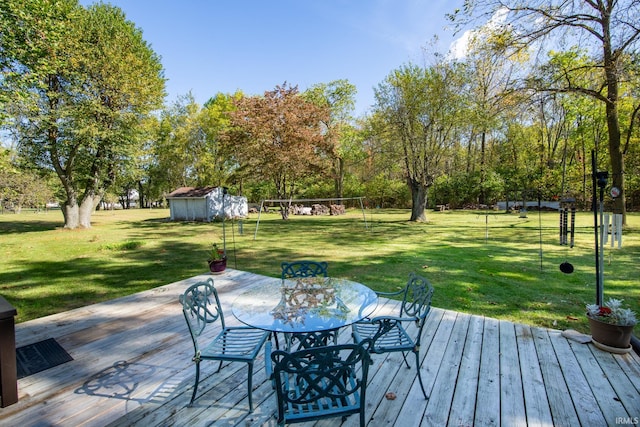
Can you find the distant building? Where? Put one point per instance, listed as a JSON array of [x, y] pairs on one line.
[[205, 204]]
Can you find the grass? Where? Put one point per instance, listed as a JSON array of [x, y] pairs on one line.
[[487, 263]]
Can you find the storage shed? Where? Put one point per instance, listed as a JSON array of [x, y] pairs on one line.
[[205, 204]]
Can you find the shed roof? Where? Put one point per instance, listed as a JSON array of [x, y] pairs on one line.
[[190, 192]]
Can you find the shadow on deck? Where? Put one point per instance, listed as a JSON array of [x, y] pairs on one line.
[[132, 366]]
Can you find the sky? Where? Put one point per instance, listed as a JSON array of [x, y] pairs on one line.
[[214, 46]]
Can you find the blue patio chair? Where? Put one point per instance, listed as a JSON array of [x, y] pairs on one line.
[[313, 339], [389, 333], [201, 309], [304, 268], [320, 382]]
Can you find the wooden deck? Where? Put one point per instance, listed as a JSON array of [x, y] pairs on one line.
[[132, 366]]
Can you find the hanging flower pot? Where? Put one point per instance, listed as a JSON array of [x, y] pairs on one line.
[[217, 259], [218, 266]]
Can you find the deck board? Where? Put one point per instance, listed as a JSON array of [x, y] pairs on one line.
[[466, 386], [563, 414], [132, 367]]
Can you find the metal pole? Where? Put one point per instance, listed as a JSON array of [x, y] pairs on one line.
[[603, 230], [540, 226], [255, 234], [486, 228], [224, 214], [599, 292], [364, 217]]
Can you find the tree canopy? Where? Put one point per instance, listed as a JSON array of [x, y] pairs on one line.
[[279, 137], [421, 111], [608, 33], [78, 83], [541, 85]]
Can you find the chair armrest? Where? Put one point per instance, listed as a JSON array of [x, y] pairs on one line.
[[379, 319], [386, 324], [389, 294]]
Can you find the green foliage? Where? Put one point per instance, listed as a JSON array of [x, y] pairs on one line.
[[22, 188], [80, 82], [460, 190], [419, 109], [384, 193], [215, 253], [598, 69], [128, 245]]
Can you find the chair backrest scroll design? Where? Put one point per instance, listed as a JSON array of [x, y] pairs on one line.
[[201, 307], [321, 381], [417, 298], [304, 269]]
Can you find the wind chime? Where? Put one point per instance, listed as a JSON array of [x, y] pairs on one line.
[[567, 221]]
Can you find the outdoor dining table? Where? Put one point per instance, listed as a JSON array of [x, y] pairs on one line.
[[304, 305]]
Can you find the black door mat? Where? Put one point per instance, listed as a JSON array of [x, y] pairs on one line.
[[37, 357]]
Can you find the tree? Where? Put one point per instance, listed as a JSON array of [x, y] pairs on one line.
[[608, 29], [338, 97], [80, 81], [420, 109], [21, 188], [188, 149], [176, 149], [279, 137], [491, 80]]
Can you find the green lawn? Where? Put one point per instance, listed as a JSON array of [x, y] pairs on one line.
[[483, 263]]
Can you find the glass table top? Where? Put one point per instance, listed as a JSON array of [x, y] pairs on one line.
[[304, 304]]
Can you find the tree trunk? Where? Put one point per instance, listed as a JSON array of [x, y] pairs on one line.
[[284, 211], [79, 215], [617, 160], [339, 180], [142, 197], [71, 213], [86, 209], [418, 200], [613, 120]]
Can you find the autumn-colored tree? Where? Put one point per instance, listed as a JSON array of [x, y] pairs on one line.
[[279, 137]]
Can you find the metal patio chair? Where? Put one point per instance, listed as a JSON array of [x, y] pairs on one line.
[[201, 309], [320, 382], [306, 268], [389, 333]]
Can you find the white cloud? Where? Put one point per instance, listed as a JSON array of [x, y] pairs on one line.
[[459, 47]]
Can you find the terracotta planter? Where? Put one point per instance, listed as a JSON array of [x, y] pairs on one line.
[[610, 335], [218, 266]]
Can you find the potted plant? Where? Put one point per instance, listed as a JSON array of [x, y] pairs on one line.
[[611, 325], [217, 259]]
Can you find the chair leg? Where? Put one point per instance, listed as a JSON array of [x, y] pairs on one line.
[[219, 367], [404, 356], [420, 375], [195, 386], [250, 386]]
